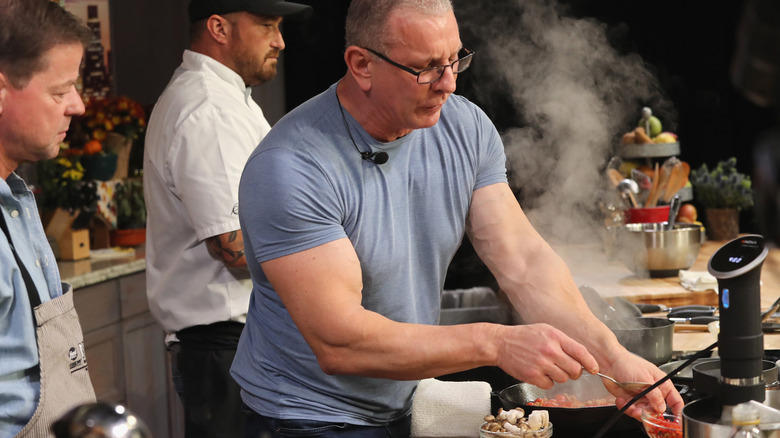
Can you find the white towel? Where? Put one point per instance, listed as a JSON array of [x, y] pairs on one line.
[[698, 280], [449, 409]]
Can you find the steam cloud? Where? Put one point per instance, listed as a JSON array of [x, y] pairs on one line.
[[569, 94]]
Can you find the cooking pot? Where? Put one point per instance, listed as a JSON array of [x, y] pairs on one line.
[[649, 338], [585, 421], [685, 375], [706, 376]]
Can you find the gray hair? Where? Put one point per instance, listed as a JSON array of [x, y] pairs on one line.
[[29, 29], [366, 19]]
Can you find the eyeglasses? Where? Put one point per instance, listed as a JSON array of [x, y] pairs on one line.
[[433, 74]]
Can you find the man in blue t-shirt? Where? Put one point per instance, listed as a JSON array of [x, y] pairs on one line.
[[352, 208]]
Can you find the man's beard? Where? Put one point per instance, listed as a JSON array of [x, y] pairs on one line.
[[255, 71]]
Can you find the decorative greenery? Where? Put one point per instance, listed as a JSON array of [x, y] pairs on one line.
[[130, 206], [63, 186], [722, 187]]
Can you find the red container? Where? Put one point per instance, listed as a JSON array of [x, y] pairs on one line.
[[647, 215], [129, 237]]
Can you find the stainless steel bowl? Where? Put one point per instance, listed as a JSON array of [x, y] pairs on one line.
[[650, 250]]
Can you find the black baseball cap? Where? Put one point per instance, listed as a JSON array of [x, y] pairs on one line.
[[202, 9]]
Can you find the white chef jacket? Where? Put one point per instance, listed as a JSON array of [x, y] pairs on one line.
[[200, 134]]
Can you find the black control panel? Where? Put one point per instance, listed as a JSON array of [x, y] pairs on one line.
[[739, 256]]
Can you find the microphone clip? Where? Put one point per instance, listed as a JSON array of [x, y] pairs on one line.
[[374, 157]]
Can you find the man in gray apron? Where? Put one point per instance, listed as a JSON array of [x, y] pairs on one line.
[[43, 369]]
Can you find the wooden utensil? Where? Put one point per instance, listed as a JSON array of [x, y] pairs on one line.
[[663, 180], [614, 176], [677, 180], [653, 190]]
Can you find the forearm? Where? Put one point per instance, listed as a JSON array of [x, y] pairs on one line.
[[387, 349], [546, 293], [228, 247], [533, 276]]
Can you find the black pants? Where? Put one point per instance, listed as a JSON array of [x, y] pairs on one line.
[[259, 426], [211, 398]]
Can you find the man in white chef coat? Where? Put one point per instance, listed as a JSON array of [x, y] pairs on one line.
[[200, 133]]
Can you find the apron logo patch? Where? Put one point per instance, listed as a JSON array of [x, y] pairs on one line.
[[77, 358]]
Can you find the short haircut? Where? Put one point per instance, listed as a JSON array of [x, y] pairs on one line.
[[366, 19], [29, 29]]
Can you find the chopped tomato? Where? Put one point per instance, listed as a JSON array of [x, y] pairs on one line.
[[663, 428]]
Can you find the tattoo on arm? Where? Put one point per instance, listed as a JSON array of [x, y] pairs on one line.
[[228, 247]]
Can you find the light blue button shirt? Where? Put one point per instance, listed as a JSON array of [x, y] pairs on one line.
[[19, 375]]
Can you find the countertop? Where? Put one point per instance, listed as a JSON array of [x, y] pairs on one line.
[[591, 266], [83, 273]]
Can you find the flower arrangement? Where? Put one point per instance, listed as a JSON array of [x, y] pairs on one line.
[[86, 155], [63, 186], [723, 186], [120, 115]]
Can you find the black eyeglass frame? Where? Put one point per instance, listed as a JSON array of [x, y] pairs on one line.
[[469, 54]]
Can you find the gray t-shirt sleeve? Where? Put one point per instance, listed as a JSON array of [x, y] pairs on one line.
[[281, 177]]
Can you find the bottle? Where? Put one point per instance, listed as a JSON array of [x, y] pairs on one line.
[[744, 421]]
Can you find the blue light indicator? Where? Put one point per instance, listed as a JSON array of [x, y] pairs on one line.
[[725, 298]]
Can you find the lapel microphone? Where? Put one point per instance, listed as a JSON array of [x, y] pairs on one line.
[[374, 157]]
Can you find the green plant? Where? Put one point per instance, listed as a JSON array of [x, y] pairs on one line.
[[63, 186], [722, 187], [130, 206]]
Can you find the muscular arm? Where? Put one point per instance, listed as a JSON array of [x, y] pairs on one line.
[[541, 288], [535, 279], [228, 247], [322, 290]]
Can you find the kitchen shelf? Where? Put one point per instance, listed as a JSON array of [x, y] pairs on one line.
[[649, 150]]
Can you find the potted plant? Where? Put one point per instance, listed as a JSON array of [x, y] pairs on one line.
[[130, 214], [723, 192], [68, 202]]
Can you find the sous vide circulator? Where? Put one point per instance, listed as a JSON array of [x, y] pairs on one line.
[[737, 267]]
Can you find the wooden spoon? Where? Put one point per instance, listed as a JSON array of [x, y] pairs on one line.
[[677, 180], [674, 176], [614, 176], [653, 190], [663, 180]]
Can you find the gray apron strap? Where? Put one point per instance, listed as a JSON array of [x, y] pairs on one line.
[[65, 381]]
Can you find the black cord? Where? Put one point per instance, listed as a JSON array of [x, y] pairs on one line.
[[639, 396], [365, 155], [374, 157]]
